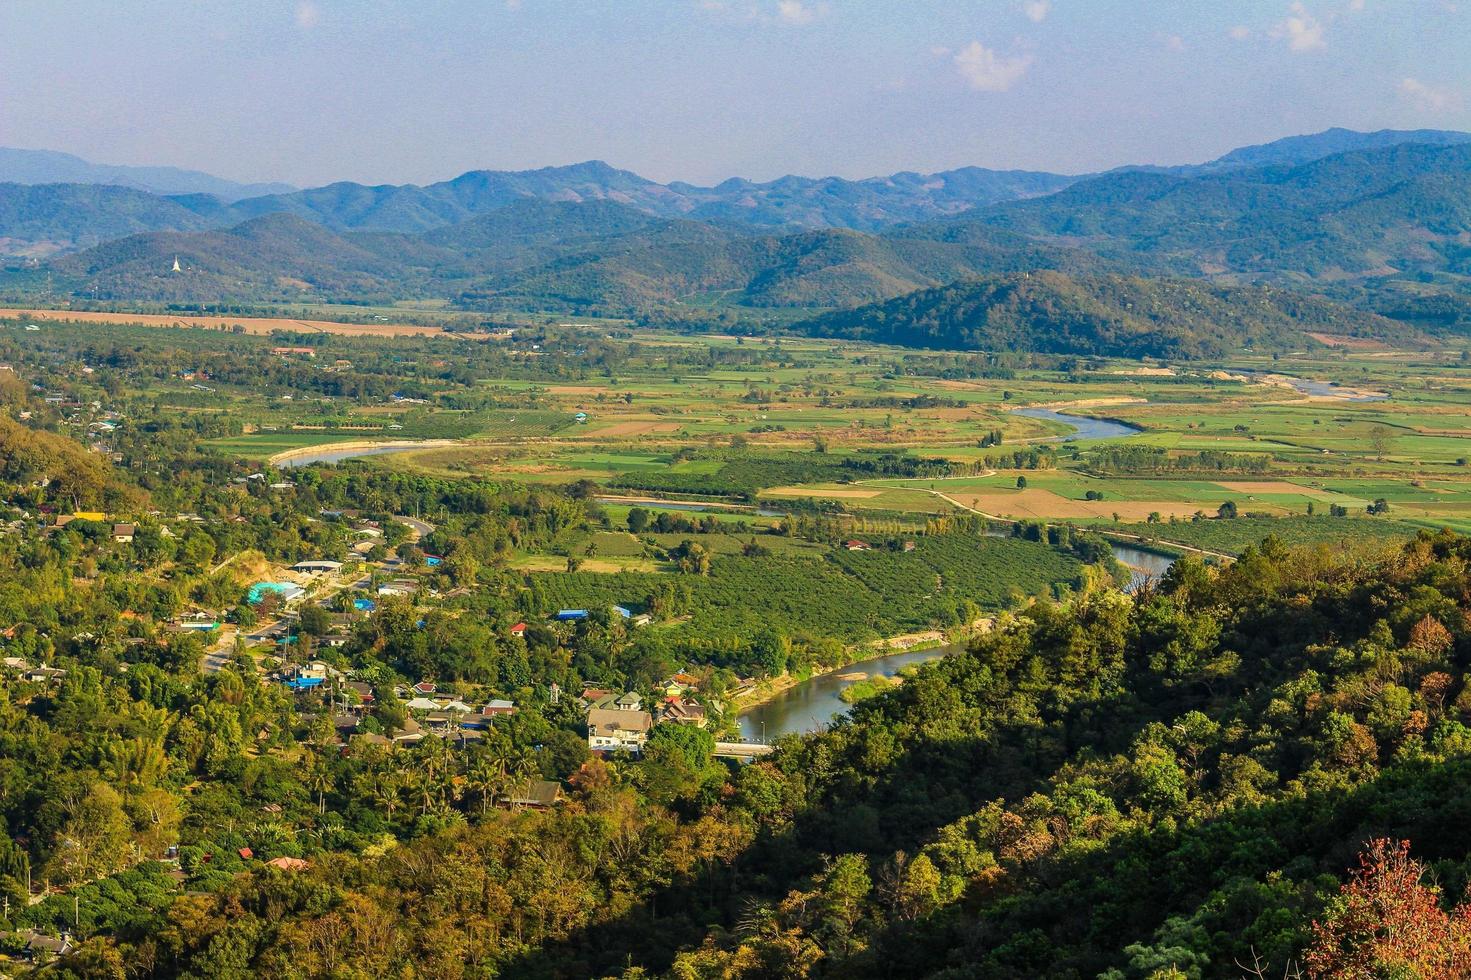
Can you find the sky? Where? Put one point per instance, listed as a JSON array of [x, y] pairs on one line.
[[395, 91]]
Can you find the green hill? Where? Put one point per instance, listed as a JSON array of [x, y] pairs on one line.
[[1115, 315]]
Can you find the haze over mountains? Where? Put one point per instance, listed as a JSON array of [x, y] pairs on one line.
[[51, 167], [1337, 212]]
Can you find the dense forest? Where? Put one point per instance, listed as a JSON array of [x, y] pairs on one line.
[[1117, 315], [1165, 785]]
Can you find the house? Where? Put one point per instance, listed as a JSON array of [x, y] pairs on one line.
[[498, 706], [612, 730], [683, 712], [44, 675], [681, 683], [908, 546], [410, 732], [289, 863], [628, 702], [422, 704], [399, 586], [455, 706], [623, 611], [580, 417], [426, 687], [519, 629], [363, 690], [41, 947], [539, 793], [317, 566], [287, 351], [567, 615], [854, 545]]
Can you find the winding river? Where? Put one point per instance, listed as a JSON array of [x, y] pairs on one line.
[[814, 702], [1086, 427]]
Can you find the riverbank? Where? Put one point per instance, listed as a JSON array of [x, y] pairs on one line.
[[764, 692]]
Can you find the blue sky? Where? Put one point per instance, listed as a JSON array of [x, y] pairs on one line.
[[310, 91]]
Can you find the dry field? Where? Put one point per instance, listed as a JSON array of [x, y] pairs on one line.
[[1036, 503], [253, 325], [1275, 486]]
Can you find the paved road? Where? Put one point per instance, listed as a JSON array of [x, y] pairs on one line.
[[420, 528]]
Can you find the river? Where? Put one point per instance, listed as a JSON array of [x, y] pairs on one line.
[[813, 703], [1325, 389], [1086, 427]]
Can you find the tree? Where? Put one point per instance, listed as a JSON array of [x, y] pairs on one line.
[[314, 620], [638, 520], [1021, 483], [1387, 923], [1381, 440], [94, 840], [1227, 510]]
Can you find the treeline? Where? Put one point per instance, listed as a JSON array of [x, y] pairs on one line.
[[1132, 459]]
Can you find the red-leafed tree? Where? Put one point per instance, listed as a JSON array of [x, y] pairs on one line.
[[1387, 922]]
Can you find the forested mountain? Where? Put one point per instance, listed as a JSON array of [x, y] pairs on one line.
[[595, 257], [1366, 213], [275, 256], [62, 217], [1315, 146], [592, 239], [1117, 315], [50, 167]]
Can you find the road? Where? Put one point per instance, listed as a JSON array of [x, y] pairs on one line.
[[421, 529]]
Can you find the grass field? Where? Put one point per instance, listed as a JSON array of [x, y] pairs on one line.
[[806, 425]]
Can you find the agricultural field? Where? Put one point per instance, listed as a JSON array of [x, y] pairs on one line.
[[775, 426], [875, 432]]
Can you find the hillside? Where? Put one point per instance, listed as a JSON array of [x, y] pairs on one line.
[[1401, 210], [62, 217], [276, 256], [591, 257], [1116, 315]]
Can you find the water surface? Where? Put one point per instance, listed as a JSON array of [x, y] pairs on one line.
[[1086, 427], [814, 703]]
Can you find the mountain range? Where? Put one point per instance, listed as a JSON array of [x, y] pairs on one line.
[[50, 167], [1331, 213]]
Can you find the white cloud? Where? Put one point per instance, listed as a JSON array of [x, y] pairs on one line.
[[795, 12], [986, 71], [307, 15], [1240, 32], [1175, 42], [1433, 98], [1301, 30], [1037, 10], [1356, 5]]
